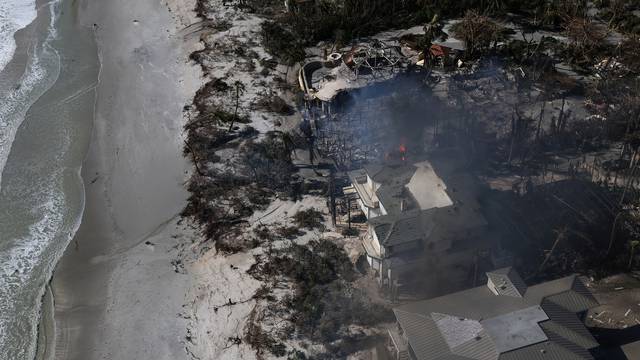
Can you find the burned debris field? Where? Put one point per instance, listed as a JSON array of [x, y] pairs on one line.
[[366, 158]]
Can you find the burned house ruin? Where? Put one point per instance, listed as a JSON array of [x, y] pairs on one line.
[[362, 65]]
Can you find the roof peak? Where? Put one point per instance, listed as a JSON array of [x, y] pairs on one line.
[[506, 282]]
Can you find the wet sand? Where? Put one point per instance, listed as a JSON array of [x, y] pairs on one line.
[[115, 291], [47, 99]]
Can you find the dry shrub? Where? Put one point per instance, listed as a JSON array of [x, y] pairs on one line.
[[584, 32], [289, 232], [324, 303], [478, 32], [309, 219], [213, 87], [260, 339], [282, 43], [619, 14], [630, 53], [275, 104], [268, 163], [587, 45]]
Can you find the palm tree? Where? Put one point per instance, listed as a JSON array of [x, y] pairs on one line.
[[239, 91]]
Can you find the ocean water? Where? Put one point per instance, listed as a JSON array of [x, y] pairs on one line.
[[45, 125], [40, 72], [14, 15]]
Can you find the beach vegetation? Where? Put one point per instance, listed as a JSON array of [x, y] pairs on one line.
[[216, 204], [317, 295], [345, 20], [275, 104], [309, 219], [259, 196], [202, 9], [619, 14], [268, 164], [282, 43], [262, 340], [629, 53], [221, 201], [289, 232], [296, 355], [350, 231], [478, 32], [262, 232], [216, 86], [269, 63], [586, 44], [324, 302], [238, 91]]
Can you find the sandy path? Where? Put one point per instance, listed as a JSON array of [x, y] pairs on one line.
[[117, 295]]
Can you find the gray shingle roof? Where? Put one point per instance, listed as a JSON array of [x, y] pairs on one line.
[[516, 329], [410, 226], [577, 300], [566, 336], [566, 324], [423, 334], [507, 282], [392, 192], [479, 348], [548, 350], [456, 330]]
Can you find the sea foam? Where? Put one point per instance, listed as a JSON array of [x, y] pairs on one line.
[[22, 267], [41, 70], [14, 15], [26, 261]]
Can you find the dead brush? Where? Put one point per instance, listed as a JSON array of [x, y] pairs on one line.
[[275, 104], [309, 219]]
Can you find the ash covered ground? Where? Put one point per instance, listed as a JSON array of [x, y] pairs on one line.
[[542, 113]]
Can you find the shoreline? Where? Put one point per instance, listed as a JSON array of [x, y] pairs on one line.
[[30, 42], [46, 327], [41, 196], [119, 262]]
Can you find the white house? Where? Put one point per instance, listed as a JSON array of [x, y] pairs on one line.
[[420, 220]]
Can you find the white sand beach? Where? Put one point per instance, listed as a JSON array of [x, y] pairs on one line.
[[117, 294]]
